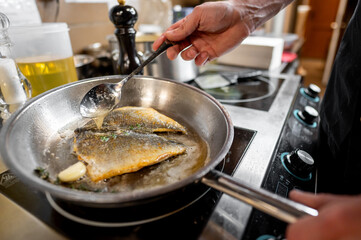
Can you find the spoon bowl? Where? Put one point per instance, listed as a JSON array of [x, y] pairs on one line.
[[100, 100], [103, 98]]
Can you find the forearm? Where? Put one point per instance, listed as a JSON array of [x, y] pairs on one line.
[[254, 13]]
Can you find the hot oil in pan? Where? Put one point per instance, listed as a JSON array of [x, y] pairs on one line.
[[59, 155]]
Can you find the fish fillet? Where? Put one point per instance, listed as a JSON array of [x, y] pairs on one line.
[[111, 154], [139, 119]]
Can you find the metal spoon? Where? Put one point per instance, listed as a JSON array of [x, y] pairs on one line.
[[102, 98]]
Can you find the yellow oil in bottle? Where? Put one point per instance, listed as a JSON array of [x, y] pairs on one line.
[[45, 73]]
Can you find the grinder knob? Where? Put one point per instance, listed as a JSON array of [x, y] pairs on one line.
[[123, 16]]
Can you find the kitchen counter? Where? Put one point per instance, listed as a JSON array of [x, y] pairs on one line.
[[16, 223], [3, 168]]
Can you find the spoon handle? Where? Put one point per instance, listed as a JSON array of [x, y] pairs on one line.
[[165, 45]]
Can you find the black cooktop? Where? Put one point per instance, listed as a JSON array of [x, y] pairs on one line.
[[256, 92]]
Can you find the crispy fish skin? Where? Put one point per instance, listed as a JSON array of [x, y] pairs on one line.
[[111, 154], [139, 119]]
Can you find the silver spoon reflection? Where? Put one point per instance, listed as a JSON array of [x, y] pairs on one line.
[[103, 98]]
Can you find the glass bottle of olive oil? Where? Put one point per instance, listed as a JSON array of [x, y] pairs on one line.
[[14, 87]]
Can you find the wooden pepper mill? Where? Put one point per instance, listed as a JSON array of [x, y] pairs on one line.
[[124, 17]]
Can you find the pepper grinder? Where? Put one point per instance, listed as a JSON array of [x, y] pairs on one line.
[[124, 17]]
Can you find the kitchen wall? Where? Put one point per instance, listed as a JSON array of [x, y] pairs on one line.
[[88, 22]]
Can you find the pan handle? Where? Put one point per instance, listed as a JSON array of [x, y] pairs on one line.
[[265, 201]]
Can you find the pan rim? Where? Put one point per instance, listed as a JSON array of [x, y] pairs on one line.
[[116, 198]]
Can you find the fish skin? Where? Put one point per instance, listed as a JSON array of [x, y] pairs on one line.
[[139, 119], [116, 153]]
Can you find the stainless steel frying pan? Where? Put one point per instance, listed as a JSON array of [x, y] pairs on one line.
[[26, 135]]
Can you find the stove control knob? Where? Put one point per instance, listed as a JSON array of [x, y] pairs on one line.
[[308, 115], [271, 237], [312, 90], [300, 163]]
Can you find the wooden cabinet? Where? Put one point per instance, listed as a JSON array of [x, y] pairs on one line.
[[319, 28]]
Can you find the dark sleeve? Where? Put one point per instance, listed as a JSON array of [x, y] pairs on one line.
[[340, 109]]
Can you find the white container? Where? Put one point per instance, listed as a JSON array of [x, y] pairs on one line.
[[50, 39], [256, 52], [44, 55]]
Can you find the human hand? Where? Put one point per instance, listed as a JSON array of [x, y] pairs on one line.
[[339, 218], [214, 28]]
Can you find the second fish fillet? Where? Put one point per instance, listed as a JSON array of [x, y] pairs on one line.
[[139, 119]]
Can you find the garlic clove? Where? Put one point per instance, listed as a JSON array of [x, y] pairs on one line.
[[72, 173]]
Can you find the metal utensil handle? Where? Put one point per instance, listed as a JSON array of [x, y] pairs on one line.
[[165, 45], [270, 203]]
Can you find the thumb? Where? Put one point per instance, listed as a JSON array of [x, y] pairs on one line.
[[311, 199]]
